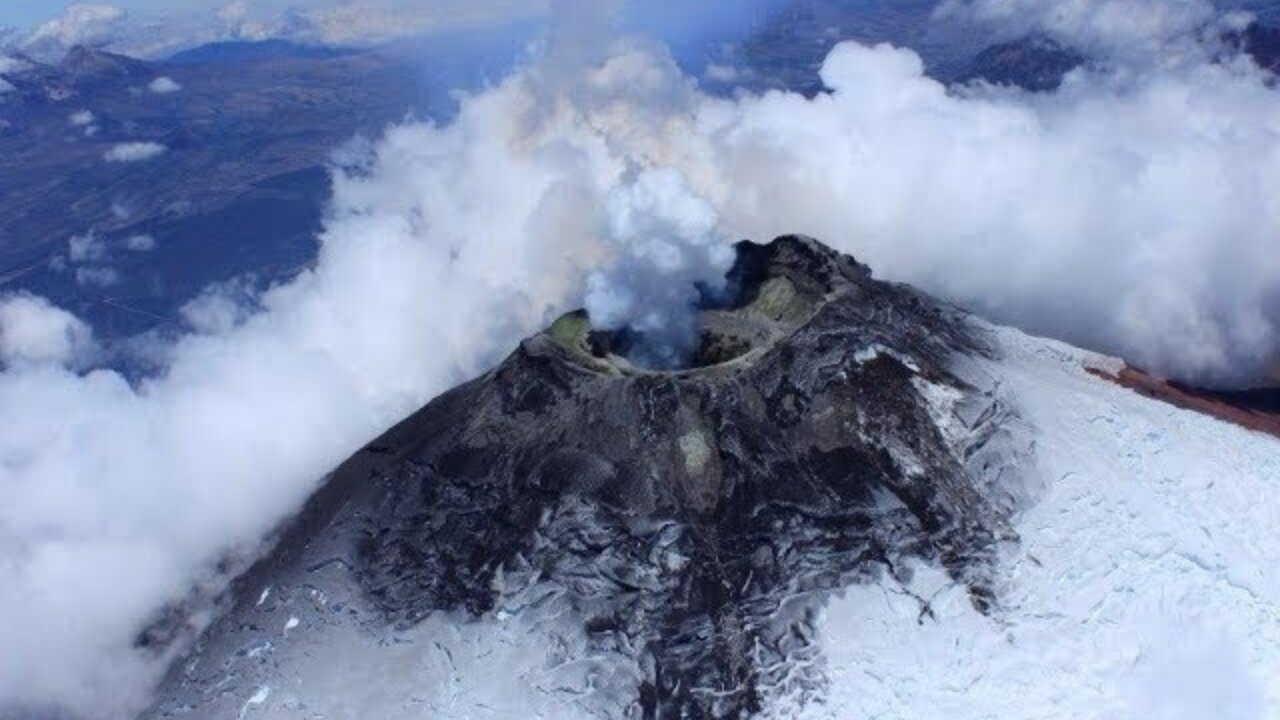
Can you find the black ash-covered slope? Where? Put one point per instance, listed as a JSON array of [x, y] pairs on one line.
[[688, 524]]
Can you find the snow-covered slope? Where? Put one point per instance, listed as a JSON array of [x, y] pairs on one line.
[[1146, 584]]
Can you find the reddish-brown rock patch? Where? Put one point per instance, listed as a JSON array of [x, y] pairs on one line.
[[1216, 405]]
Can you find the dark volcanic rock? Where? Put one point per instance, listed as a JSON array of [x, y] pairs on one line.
[[691, 521]]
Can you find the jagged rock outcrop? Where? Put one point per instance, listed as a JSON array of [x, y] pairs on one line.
[[689, 522]]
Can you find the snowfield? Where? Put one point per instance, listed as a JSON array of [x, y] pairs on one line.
[[1145, 585]]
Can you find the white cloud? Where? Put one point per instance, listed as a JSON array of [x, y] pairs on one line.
[[220, 308], [5, 86], [1132, 210], [721, 73], [1113, 213], [134, 151], [234, 11], [98, 276], [79, 24], [86, 248], [85, 120], [140, 243], [34, 331], [10, 65], [164, 86]]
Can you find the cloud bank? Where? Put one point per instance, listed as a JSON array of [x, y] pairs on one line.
[[1127, 212], [1132, 210], [32, 331], [79, 24]]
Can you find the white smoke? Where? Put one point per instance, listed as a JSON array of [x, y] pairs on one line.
[[1132, 210], [665, 243]]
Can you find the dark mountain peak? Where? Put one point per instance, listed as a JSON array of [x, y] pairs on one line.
[[241, 51], [83, 62], [1036, 63], [688, 524]]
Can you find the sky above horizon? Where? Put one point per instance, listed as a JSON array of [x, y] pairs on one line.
[[154, 28], [27, 14]]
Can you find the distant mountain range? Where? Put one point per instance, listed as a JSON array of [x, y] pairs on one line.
[[243, 51]]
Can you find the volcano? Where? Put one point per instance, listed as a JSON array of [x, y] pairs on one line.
[[849, 484]]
